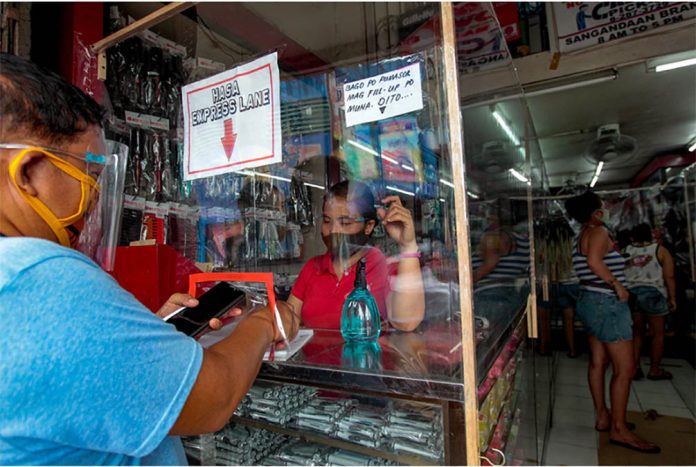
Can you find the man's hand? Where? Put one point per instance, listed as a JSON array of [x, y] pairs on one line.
[[291, 321], [179, 300]]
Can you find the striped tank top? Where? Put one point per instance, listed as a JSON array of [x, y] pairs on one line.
[[510, 267], [588, 279]]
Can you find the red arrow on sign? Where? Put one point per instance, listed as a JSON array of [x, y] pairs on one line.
[[228, 139]]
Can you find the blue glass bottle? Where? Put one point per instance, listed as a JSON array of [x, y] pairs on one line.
[[360, 320]]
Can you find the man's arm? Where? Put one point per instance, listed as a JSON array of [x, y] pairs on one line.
[[228, 371]]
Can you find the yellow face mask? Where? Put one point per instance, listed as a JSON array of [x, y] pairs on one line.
[[61, 227]]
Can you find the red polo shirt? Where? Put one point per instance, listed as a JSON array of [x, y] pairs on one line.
[[323, 294]]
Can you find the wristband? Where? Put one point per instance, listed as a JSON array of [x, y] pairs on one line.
[[415, 254]]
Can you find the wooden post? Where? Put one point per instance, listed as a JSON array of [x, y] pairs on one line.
[[148, 21], [466, 296]]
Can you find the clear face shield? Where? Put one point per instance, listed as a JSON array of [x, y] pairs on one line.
[[93, 228], [102, 219]]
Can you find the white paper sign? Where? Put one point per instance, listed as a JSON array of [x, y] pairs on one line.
[[232, 120], [583, 24], [383, 96]]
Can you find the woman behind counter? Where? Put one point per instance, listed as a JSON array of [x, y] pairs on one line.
[[349, 219]]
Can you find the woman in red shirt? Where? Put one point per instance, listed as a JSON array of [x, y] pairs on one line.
[[349, 219]]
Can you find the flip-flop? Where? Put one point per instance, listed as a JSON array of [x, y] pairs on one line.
[[663, 374], [629, 425], [652, 450]]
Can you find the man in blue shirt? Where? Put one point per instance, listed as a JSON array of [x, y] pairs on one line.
[[88, 375]]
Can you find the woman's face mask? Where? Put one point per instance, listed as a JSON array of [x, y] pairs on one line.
[[343, 246], [604, 216]]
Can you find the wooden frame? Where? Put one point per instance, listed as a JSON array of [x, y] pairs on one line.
[[466, 295], [154, 18]]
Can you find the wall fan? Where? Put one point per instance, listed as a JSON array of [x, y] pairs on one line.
[[610, 146], [495, 158]]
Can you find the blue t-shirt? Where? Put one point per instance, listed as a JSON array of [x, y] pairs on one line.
[[87, 374]]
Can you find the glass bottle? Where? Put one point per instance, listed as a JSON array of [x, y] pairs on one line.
[[360, 320]]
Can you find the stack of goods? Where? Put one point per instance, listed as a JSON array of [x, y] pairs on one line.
[[321, 414], [274, 403], [299, 453], [414, 430], [362, 426], [239, 445], [342, 457]]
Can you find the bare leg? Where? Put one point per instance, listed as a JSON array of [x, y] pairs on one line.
[[638, 331], [544, 315], [599, 360], [657, 346], [569, 329], [621, 355]]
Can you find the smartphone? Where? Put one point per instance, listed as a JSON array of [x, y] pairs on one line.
[[212, 304]]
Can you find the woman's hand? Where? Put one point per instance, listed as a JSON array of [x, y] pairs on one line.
[[398, 223], [621, 291], [179, 300]]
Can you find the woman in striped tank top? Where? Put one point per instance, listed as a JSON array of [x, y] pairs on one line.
[[602, 307]]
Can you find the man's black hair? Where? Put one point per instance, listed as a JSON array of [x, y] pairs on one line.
[[37, 102], [581, 207], [642, 233]]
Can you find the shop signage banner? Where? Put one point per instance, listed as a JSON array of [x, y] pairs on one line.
[[581, 25], [232, 120], [387, 95]]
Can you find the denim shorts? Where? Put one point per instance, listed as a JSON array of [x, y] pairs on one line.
[[500, 304], [648, 300], [605, 317], [562, 295]]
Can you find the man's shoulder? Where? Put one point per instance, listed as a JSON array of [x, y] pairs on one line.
[[21, 253]]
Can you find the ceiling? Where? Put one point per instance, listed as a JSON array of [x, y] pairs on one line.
[[657, 109]]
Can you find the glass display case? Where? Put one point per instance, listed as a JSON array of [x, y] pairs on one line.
[[247, 121]]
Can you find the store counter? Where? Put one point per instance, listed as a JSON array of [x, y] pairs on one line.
[[419, 365]]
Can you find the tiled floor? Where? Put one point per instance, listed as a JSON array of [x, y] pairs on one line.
[[573, 440]]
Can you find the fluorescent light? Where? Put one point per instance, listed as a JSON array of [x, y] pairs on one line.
[[319, 187], [406, 167], [599, 168], [518, 175], [398, 190], [558, 85], [598, 171], [692, 146], [363, 147], [571, 85], [448, 183], [442, 200], [473, 195], [671, 61], [259, 174], [675, 65], [506, 128], [369, 150]]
